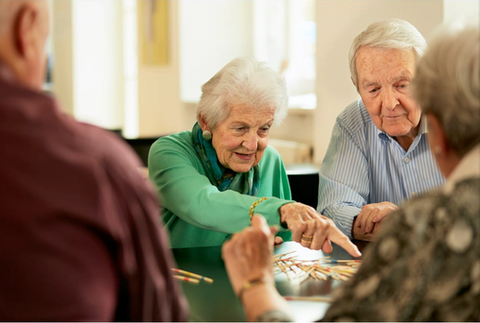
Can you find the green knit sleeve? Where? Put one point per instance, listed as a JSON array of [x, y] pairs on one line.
[[183, 188]]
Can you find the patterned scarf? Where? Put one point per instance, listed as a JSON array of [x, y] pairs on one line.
[[244, 183]]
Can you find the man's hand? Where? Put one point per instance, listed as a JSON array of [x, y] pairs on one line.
[[313, 230], [368, 221], [359, 234]]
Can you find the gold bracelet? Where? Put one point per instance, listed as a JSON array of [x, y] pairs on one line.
[[249, 284], [254, 204]]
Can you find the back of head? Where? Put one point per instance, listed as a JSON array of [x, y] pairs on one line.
[[389, 34], [447, 85], [243, 81]]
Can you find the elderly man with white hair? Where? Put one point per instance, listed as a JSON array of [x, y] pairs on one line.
[[424, 264], [79, 236], [378, 154]]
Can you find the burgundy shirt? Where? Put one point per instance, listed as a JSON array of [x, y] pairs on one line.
[[79, 231]]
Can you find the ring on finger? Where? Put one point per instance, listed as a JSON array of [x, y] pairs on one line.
[[307, 238], [306, 242]]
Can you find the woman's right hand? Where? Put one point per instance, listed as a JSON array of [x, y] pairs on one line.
[[313, 230]]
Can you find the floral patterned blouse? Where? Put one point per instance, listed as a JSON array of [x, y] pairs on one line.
[[424, 266]]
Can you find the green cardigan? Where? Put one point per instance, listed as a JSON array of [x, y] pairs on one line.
[[196, 213]]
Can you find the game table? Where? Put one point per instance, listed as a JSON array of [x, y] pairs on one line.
[[217, 302]]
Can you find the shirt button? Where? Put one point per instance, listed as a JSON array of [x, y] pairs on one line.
[[406, 160], [414, 194]]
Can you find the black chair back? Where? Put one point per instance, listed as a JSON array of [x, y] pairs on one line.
[[304, 179]]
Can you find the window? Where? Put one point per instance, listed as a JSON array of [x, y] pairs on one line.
[[130, 67], [280, 32], [285, 37]]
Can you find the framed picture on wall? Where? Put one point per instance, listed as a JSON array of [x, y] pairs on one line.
[[153, 32]]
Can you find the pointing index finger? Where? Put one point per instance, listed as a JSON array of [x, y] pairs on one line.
[[336, 236]]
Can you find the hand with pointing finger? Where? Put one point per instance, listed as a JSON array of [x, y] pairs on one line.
[[313, 230]]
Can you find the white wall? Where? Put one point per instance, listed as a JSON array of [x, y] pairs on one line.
[[212, 33], [97, 62], [338, 22], [87, 66], [62, 45], [462, 11]]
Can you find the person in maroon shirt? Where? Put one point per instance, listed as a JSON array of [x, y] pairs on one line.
[[79, 231]]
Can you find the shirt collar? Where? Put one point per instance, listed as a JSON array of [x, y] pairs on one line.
[[422, 129], [468, 167]]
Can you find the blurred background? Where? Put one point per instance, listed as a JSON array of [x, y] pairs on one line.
[[136, 67]]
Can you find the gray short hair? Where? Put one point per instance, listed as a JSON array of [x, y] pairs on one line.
[[389, 34], [447, 85], [243, 81]]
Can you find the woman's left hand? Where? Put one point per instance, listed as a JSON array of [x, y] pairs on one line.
[[313, 230]]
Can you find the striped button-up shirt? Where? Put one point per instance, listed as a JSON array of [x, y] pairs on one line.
[[364, 165]]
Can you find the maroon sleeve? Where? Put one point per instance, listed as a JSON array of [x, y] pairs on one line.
[[143, 256], [54, 270]]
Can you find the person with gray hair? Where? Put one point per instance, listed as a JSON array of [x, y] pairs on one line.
[[378, 155], [212, 179], [79, 232], [424, 264]]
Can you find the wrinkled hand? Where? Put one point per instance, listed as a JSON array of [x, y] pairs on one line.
[[302, 219], [359, 234], [248, 254], [371, 215]]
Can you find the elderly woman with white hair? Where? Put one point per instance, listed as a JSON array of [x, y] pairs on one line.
[[425, 263], [211, 179]]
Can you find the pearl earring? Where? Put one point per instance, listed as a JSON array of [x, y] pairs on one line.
[[207, 135]]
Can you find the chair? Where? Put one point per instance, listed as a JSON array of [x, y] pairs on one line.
[[304, 179]]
